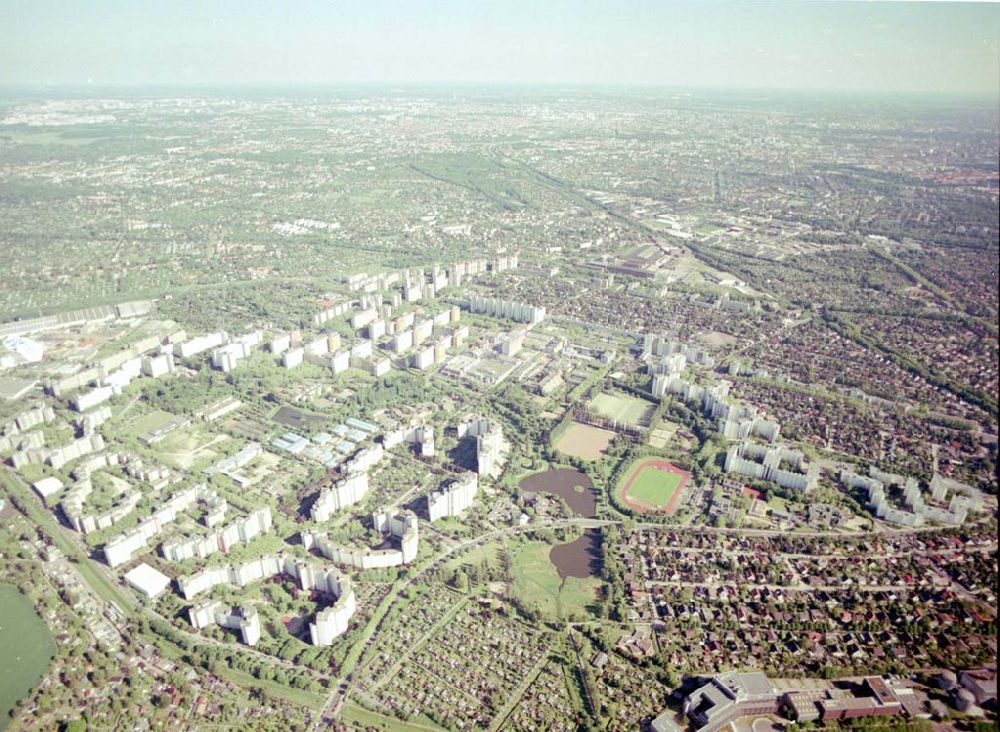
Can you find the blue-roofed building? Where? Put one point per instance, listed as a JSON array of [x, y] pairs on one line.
[[293, 443], [346, 447], [357, 435], [341, 430], [280, 444], [322, 438], [362, 425]]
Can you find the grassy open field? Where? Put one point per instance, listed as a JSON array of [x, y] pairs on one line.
[[653, 485], [373, 720], [622, 408], [191, 447], [26, 647], [662, 434], [538, 585], [584, 441], [144, 423]]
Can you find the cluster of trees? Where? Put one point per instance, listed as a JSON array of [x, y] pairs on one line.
[[279, 303], [215, 659], [517, 408], [469, 576], [187, 396], [613, 574], [394, 388]]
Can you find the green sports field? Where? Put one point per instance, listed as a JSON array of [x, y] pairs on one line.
[[621, 408], [654, 486]]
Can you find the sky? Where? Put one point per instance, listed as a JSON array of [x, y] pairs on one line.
[[923, 47]]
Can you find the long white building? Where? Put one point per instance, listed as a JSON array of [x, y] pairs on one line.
[[122, 548], [733, 420], [915, 510], [242, 619], [517, 311], [340, 495], [765, 463], [664, 347], [364, 460], [200, 344], [402, 525], [242, 531], [330, 623]]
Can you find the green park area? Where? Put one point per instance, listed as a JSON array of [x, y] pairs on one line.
[[26, 647], [537, 584]]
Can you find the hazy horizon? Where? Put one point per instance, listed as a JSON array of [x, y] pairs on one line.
[[891, 47]]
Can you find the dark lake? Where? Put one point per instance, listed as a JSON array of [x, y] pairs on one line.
[[580, 558], [565, 483], [292, 417]]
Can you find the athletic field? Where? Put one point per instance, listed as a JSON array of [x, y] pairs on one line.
[[653, 485], [584, 441], [622, 409]]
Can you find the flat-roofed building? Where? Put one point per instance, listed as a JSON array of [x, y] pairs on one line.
[[147, 581], [47, 486]]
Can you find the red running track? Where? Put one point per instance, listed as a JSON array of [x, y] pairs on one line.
[[659, 465]]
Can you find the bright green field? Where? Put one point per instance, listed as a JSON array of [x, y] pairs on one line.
[[655, 487], [373, 720], [538, 585], [625, 409], [26, 647]]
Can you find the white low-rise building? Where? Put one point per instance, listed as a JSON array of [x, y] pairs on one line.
[[147, 580], [47, 487]]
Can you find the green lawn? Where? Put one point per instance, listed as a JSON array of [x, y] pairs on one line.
[[26, 647], [538, 585], [351, 712], [621, 408], [152, 421], [300, 697], [655, 487]]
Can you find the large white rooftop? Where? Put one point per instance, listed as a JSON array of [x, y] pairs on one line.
[[147, 580], [47, 486]]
